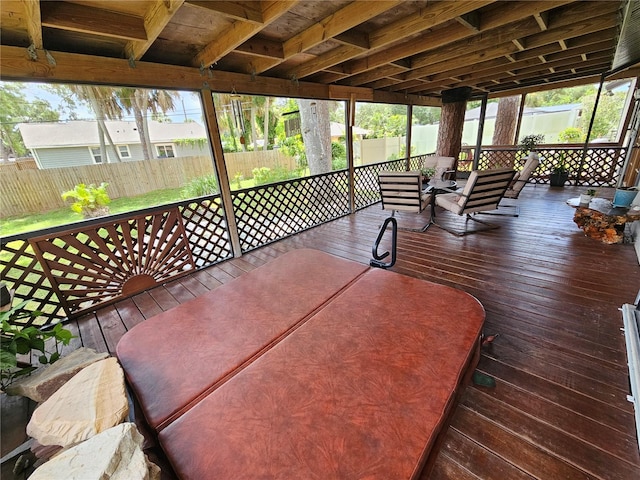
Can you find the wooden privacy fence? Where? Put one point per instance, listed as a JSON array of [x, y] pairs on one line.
[[244, 162], [36, 191]]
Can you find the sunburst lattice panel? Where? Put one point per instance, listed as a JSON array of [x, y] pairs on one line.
[[110, 260]]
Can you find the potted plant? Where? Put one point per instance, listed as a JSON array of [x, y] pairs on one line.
[[585, 198], [529, 143], [91, 201], [427, 174], [559, 173], [22, 340]]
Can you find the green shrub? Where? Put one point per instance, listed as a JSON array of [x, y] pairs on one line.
[[338, 156], [90, 201], [265, 175], [201, 186], [18, 340], [571, 135]]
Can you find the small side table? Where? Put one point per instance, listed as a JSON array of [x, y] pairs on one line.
[[601, 221]]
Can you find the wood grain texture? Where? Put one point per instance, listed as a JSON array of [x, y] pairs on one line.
[[551, 293]]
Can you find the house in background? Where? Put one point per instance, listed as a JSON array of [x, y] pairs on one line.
[[71, 144]]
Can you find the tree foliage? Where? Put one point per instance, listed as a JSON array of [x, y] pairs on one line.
[[15, 108]]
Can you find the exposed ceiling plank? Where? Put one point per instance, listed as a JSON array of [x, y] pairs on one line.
[[34, 22], [338, 22], [240, 32], [434, 14], [155, 19], [482, 49], [543, 20], [96, 21], [246, 11], [504, 15], [524, 59], [470, 20], [262, 47]]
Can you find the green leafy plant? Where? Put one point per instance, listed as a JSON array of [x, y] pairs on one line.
[[89, 200], [238, 179], [530, 142], [560, 168], [201, 186], [428, 172], [591, 192], [264, 175], [20, 340]]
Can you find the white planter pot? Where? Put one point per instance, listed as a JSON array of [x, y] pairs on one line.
[[585, 200]]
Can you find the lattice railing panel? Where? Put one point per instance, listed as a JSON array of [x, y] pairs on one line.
[[602, 167], [366, 181], [23, 273], [101, 256], [599, 167], [265, 214], [99, 265], [207, 231]]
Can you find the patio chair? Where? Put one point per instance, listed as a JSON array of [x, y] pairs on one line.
[[442, 165], [402, 192], [520, 179], [483, 192]]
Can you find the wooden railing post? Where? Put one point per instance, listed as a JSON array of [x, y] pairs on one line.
[[221, 168]]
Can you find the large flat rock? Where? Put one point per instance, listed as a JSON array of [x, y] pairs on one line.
[[45, 381], [115, 453], [91, 402]]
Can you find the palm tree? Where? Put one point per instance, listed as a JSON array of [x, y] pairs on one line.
[[139, 101], [104, 105]]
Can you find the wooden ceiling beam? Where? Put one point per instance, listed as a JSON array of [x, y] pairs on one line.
[[431, 41], [33, 21], [539, 40], [372, 75], [470, 20], [433, 14], [155, 19], [262, 47], [95, 21], [18, 66], [542, 18], [497, 68], [245, 11], [588, 22], [348, 17], [240, 32], [333, 25]]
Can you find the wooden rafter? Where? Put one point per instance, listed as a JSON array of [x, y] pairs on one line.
[[246, 11], [34, 22], [97, 21], [240, 32], [155, 19], [335, 24], [434, 14]]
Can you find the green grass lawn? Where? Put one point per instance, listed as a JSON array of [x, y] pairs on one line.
[[64, 216]]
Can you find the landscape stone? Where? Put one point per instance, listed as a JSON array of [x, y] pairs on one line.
[[45, 381], [114, 454], [91, 402]]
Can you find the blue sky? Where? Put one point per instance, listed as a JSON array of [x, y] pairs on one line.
[[188, 106]]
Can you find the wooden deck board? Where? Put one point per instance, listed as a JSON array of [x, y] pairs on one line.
[[559, 408]]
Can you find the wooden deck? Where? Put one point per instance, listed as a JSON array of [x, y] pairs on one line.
[[559, 409]]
